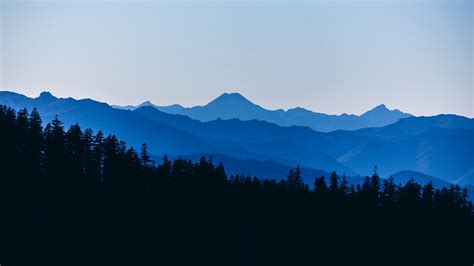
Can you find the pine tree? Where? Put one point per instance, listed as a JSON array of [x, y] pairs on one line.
[[74, 154], [163, 174], [375, 187], [220, 175], [343, 188], [21, 135], [294, 179], [165, 167], [54, 152], [97, 161], [334, 183], [145, 156], [320, 186], [352, 191], [427, 196], [410, 195], [35, 135], [389, 193], [22, 150], [111, 160]]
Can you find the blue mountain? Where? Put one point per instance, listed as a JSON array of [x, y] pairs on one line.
[[466, 179], [440, 149], [440, 146], [167, 135], [100, 116], [234, 105], [417, 125]]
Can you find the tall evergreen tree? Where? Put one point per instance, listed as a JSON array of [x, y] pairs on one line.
[[144, 155], [54, 152], [294, 179], [334, 183], [343, 188], [389, 192], [320, 186], [427, 196], [35, 138]]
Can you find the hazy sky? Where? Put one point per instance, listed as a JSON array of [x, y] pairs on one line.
[[327, 56]]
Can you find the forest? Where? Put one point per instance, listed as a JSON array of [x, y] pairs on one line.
[[71, 196]]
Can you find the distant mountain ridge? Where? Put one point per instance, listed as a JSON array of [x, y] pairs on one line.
[[441, 146], [234, 105], [425, 150], [164, 135]]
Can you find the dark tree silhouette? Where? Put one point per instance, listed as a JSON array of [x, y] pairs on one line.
[[74, 194]]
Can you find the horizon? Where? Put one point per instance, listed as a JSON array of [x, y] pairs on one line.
[[330, 57], [230, 93]]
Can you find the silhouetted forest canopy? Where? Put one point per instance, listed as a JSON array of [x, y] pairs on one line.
[[74, 196]]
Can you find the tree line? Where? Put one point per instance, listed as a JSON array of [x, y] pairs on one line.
[[76, 176]]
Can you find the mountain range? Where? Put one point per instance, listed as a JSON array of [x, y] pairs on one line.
[[439, 147], [234, 105]]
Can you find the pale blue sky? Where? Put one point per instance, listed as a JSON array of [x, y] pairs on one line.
[[327, 56]]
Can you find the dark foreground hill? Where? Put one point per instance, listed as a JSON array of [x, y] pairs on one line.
[[70, 196]]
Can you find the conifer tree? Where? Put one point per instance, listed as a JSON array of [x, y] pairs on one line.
[[427, 196], [334, 183], [294, 179]]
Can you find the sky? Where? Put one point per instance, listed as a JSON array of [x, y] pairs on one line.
[[328, 56]]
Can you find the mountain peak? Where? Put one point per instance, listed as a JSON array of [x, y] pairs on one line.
[[46, 95], [230, 98], [146, 103], [382, 116], [231, 95], [381, 107]]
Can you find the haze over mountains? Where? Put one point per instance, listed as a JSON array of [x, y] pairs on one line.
[[440, 146], [234, 105]]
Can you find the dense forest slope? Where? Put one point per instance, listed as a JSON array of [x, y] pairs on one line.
[[71, 196]]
